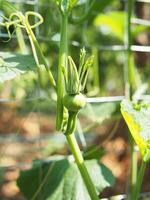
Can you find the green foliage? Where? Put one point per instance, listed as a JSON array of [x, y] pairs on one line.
[[7, 7], [66, 5], [87, 10], [100, 5], [99, 113], [75, 80], [114, 21], [96, 112], [93, 152], [13, 65], [2, 174], [60, 179], [137, 117]]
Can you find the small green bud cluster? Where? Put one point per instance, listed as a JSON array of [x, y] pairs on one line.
[[75, 80]]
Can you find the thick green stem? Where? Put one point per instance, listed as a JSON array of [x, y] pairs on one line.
[[72, 121], [81, 166], [21, 41], [38, 55], [139, 182], [20, 38], [63, 54]]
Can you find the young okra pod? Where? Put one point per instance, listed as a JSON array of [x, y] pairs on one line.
[[75, 81]]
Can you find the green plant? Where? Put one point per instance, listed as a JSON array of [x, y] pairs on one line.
[[80, 176], [69, 97], [74, 101]]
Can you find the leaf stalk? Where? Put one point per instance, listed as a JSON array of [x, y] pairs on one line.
[[81, 166], [63, 56]]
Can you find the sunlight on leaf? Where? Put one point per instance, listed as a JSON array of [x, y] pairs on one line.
[[137, 117], [114, 21]]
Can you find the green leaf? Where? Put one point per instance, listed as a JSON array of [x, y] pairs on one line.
[[99, 112], [139, 29], [59, 179], [13, 65], [113, 21], [93, 152], [137, 117], [2, 174], [7, 7], [72, 3]]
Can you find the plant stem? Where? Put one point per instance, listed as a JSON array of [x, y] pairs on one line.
[[133, 176], [38, 55], [81, 166], [20, 38], [63, 54], [21, 41], [139, 182]]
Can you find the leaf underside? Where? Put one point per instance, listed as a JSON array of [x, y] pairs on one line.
[[13, 65], [61, 180]]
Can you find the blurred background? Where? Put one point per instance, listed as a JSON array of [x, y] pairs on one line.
[[28, 110]]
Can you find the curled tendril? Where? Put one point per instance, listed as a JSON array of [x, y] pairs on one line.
[[29, 14], [5, 24], [8, 31], [3, 17], [17, 19], [22, 19]]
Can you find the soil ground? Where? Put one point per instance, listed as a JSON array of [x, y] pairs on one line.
[[22, 139]]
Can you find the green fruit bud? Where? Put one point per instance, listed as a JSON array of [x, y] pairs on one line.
[[74, 102]]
